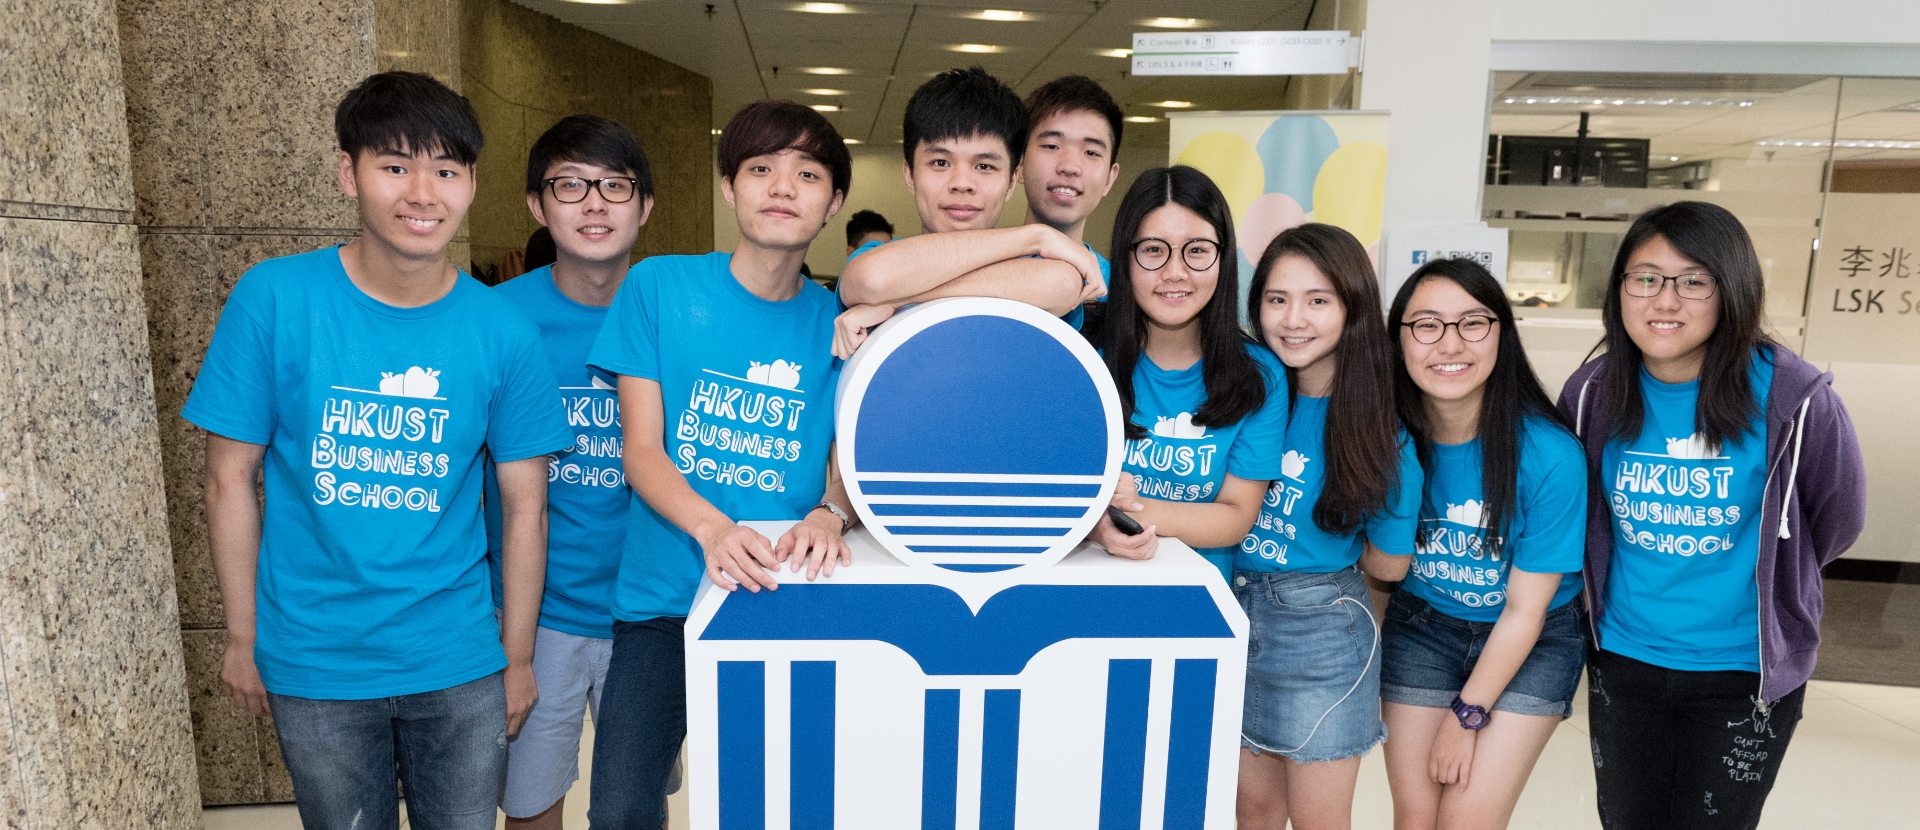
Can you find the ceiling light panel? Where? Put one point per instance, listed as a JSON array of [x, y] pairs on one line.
[[822, 8], [975, 48], [999, 15], [818, 91], [1174, 22], [1114, 53], [824, 70]]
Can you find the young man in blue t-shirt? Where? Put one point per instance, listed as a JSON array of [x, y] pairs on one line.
[[370, 380], [1072, 161], [589, 183], [965, 134], [726, 383]]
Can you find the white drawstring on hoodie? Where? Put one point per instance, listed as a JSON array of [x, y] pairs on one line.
[[1799, 432]]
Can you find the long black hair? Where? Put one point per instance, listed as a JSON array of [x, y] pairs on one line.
[[1235, 386], [1710, 235], [1362, 437], [1511, 395]]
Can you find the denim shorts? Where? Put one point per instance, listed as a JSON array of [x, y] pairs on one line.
[[1313, 665], [1430, 654]]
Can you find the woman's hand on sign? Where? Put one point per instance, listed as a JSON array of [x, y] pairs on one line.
[[738, 556], [851, 327], [1141, 545], [814, 543]]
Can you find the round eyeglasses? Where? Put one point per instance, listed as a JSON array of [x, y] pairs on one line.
[[1153, 254], [1473, 328], [1651, 283], [572, 189]]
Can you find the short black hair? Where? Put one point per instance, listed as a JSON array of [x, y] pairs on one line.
[[589, 139], [866, 222], [765, 127], [960, 103], [408, 113], [1071, 93]]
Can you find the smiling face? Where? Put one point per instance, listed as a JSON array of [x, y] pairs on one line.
[[1302, 318], [1173, 296], [781, 200], [1068, 168], [411, 204], [593, 229], [1452, 369], [1671, 332], [960, 184]]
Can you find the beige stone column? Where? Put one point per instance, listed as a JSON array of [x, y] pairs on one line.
[[93, 709], [230, 110]]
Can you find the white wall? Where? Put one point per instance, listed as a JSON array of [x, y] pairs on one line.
[[1427, 63]]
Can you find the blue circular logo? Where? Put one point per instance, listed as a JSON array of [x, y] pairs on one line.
[[978, 435]]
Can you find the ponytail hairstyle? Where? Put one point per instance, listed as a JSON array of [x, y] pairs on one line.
[[1235, 387], [1362, 434], [1710, 235], [1511, 396]]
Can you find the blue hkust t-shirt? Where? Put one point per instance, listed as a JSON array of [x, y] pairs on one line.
[[1181, 461], [587, 488], [1285, 537], [1682, 592], [1455, 570], [747, 388], [372, 573]]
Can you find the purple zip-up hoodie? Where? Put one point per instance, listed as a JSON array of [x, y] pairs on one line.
[[1813, 508]]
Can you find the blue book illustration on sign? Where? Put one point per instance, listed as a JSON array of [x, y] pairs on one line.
[[971, 669]]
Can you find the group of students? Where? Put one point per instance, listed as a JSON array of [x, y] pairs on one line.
[[487, 510]]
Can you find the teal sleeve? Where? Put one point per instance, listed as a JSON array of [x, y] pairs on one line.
[[629, 339], [1551, 532], [234, 395], [527, 417], [1393, 531]]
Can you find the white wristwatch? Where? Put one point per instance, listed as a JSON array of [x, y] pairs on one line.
[[845, 523]]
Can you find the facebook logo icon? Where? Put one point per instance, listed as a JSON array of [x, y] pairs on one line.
[[976, 667]]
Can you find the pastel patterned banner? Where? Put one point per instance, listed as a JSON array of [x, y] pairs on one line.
[[1283, 169]]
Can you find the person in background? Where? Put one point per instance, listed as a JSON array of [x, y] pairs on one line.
[[865, 227], [371, 380], [1727, 475], [1483, 643], [697, 341], [541, 249], [590, 188], [1346, 502], [965, 136], [1191, 383], [1072, 161]]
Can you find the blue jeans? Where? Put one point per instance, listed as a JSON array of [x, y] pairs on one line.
[[641, 724], [449, 746], [1313, 665]]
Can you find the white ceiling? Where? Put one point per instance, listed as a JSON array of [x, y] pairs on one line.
[[754, 49], [1784, 109]]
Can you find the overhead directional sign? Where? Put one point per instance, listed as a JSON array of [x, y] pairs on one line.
[[1244, 53]]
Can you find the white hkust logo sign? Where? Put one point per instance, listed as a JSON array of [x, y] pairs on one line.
[[972, 670]]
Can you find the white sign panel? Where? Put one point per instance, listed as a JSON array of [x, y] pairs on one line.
[[1244, 53], [960, 674], [1408, 248]]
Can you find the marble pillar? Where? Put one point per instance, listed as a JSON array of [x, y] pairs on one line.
[[94, 728], [229, 106], [524, 71]]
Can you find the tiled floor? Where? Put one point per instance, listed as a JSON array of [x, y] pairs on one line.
[[1854, 763]]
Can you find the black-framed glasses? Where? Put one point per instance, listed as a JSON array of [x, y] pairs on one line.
[[572, 189], [1152, 254], [1473, 328], [1651, 283]]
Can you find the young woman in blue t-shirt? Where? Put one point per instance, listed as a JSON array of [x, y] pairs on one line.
[[1346, 498], [1205, 406], [1482, 644], [1728, 475]]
